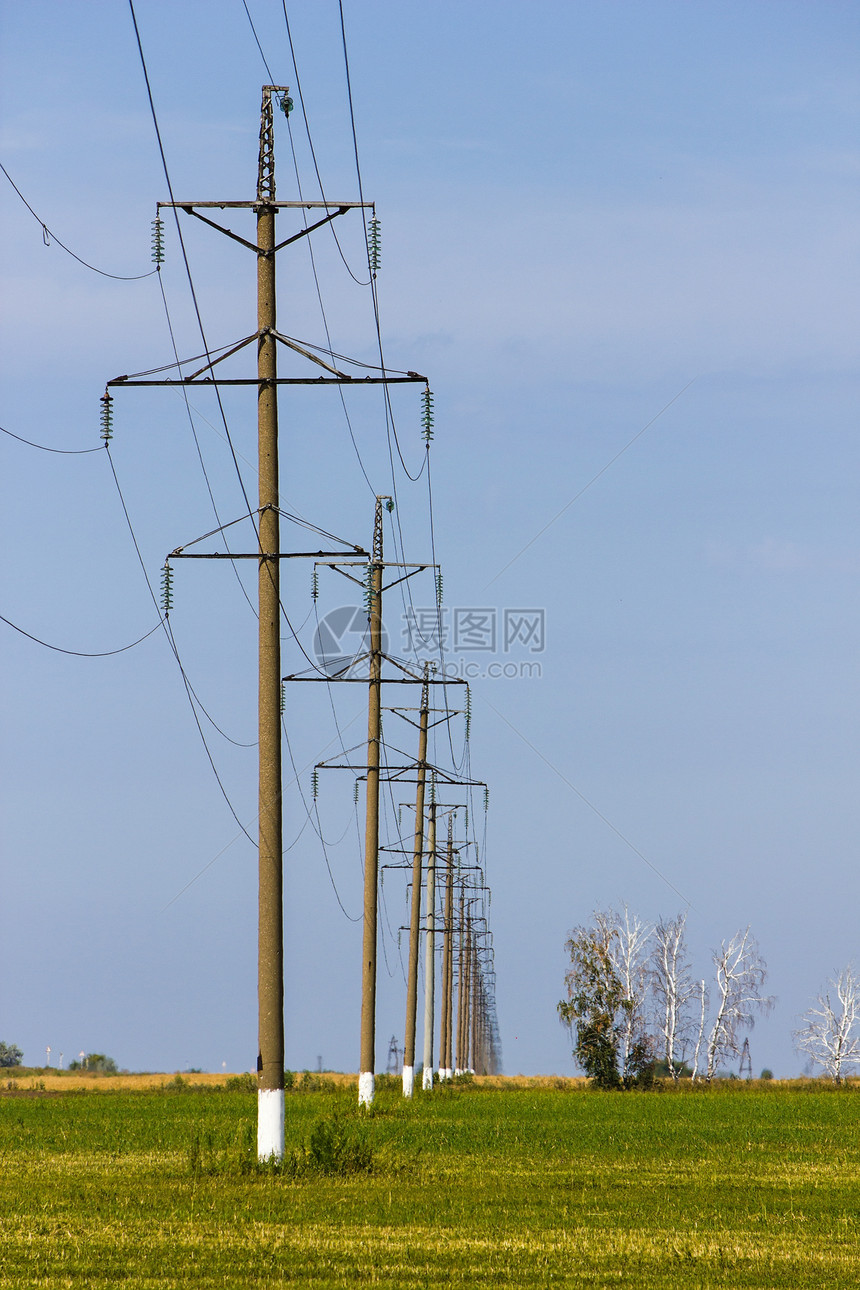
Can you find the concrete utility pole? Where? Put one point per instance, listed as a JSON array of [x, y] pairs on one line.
[[445, 1065], [467, 995], [415, 909], [476, 1002], [371, 833], [430, 951], [461, 986], [270, 945], [270, 1056]]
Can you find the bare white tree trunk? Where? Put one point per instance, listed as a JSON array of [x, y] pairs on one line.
[[627, 944], [829, 1035], [670, 979], [741, 974], [704, 1012]]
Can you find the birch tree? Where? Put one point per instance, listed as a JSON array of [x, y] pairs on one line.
[[673, 989], [627, 941], [598, 1007], [741, 974], [829, 1034], [701, 991]]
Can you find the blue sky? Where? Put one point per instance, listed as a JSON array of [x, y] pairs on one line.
[[594, 215]]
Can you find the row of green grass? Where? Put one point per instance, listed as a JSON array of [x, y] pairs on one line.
[[736, 1186]]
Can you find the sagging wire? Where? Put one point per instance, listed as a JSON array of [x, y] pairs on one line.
[[384, 748], [372, 244], [329, 351], [66, 452], [186, 263], [172, 643], [313, 818], [196, 439], [324, 316], [77, 653], [47, 234], [359, 282], [271, 74]]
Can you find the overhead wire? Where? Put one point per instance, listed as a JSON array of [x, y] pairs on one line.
[[391, 429], [386, 394], [360, 282], [406, 589], [259, 46], [165, 624], [185, 259], [313, 263], [48, 233], [330, 349], [68, 452], [233, 840], [77, 653], [317, 827], [196, 437]]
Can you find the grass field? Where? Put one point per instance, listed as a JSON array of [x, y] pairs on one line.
[[527, 1185]]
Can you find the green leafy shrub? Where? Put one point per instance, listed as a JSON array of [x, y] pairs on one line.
[[10, 1055], [335, 1148], [97, 1062], [245, 1083]]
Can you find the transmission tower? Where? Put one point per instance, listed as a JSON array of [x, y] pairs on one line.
[[270, 979]]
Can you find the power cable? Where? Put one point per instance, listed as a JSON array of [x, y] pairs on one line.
[[329, 351], [76, 653], [165, 623], [359, 282], [322, 306], [48, 233], [196, 438], [69, 452], [184, 252], [386, 393], [259, 46]]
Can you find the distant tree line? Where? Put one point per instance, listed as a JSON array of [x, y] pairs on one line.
[[95, 1062], [635, 1009], [10, 1055]]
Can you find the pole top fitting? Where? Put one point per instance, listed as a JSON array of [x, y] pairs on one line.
[[266, 163]]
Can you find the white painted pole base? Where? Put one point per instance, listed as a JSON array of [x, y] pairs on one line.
[[445, 1073], [365, 1088], [408, 1080], [427, 1078], [270, 1124]]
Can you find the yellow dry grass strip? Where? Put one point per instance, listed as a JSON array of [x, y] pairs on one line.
[[408, 1248], [148, 1081], [560, 1082], [69, 1081]]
